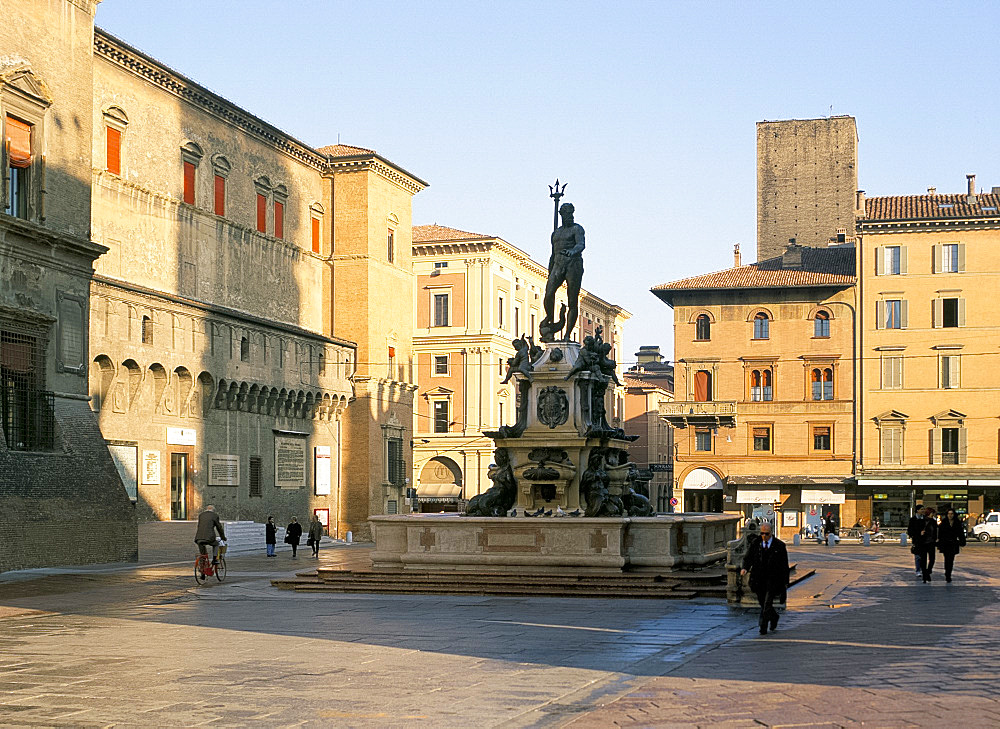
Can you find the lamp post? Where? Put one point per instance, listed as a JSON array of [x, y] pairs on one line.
[[556, 193]]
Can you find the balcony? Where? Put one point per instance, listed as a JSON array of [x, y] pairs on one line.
[[714, 414]]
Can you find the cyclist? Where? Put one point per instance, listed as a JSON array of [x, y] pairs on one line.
[[208, 524]]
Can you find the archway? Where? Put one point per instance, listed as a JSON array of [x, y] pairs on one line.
[[702, 491], [440, 485]]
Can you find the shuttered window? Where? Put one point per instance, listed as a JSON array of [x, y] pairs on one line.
[[946, 313], [949, 258], [892, 373], [441, 416], [950, 371], [114, 145], [891, 314], [220, 195], [261, 213], [315, 235], [892, 445], [255, 489], [279, 219], [703, 386], [441, 310], [189, 183]]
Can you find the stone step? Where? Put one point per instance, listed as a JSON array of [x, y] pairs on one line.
[[313, 585]]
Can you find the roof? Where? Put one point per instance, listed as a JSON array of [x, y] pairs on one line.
[[820, 267], [344, 150], [910, 207], [426, 233]]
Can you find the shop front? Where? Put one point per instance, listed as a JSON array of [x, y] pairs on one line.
[[702, 489], [893, 500]]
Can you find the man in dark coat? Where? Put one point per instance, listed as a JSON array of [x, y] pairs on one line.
[[293, 533], [913, 531], [767, 563], [270, 535], [208, 525]]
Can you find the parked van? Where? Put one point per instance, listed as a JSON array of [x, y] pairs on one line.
[[989, 529]]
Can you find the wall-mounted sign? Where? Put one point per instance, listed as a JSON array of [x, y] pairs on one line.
[[289, 462], [150, 468], [124, 457], [659, 467], [223, 469], [322, 468], [182, 436]]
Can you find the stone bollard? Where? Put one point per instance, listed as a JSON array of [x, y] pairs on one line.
[[737, 586], [349, 537], [866, 539], [831, 540], [902, 539], [796, 540]]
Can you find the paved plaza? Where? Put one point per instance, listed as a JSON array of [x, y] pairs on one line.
[[863, 643]]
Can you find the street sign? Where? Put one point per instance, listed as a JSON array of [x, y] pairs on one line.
[[659, 467], [674, 501]]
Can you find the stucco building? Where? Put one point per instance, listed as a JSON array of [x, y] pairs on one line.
[[474, 295], [647, 384]]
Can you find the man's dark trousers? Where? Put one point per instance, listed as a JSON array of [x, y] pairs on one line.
[[766, 597]]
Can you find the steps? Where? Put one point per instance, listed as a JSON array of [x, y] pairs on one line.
[[246, 536], [673, 585]]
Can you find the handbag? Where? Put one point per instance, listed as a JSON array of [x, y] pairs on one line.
[[288, 539], [914, 549]]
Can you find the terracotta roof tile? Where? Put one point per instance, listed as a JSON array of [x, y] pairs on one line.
[[909, 207], [820, 267], [344, 150], [427, 233]]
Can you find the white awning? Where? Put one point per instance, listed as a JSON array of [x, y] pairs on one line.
[[835, 495], [702, 479], [762, 495], [883, 482], [439, 491]]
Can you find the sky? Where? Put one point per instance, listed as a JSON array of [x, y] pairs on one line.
[[647, 110]]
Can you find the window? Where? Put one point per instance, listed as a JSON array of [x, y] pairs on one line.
[[441, 310], [26, 414], [392, 363], [948, 312], [821, 438], [703, 386], [255, 489], [500, 308], [950, 371], [703, 328], [147, 330], [19, 159], [761, 326], [440, 364], [949, 258], [500, 366], [279, 219], [822, 383], [892, 445], [440, 416], [892, 372], [891, 314], [532, 332], [440, 264], [395, 470], [244, 349], [500, 420], [315, 235], [390, 249], [703, 440], [113, 137], [760, 386], [949, 445], [821, 325], [761, 438], [892, 260], [517, 320], [220, 195], [189, 182], [261, 213]]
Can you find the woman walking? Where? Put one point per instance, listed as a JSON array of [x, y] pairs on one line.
[[293, 533], [950, 539], [926, 543], [270, 535], [315, 534]]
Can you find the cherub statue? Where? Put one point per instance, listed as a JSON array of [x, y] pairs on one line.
[[520, 362]]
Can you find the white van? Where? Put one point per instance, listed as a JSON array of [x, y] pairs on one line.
[[990, 529]]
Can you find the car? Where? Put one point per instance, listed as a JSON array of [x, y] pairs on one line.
[[989, 529]]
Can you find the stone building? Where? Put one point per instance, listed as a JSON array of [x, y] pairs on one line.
[[807, 175], [928, 401], [647, 384], [763, 405], [474, 295], [60, 496]]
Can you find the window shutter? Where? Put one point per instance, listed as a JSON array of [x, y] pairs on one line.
[[189, 183], [114, 140], [936, 446], [220, 195], [889, 437], [938, 250], [904, 314], [963, 445], [902, 259], [886, 373], [954, 371], [961, 312], [898, 372], [961, 257], [880, 315], [279, 219], [937, 312], [261, 213], [315, 235], [879, 261]]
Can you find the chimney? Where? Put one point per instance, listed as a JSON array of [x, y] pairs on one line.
[[996, 190], [736, 256], [792, 257], [860, 201], [841, 235], [932, 191], [972, 184]]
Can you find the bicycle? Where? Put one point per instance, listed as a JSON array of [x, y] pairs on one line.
[[203, 568]]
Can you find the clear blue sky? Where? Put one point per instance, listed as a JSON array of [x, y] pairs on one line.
[[646, 109]]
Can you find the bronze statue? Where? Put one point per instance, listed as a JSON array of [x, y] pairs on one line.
[[565, 266], [499, 498], [520, 362]]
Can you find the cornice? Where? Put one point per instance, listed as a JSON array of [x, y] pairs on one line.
[[149, 69], [380, 166], [41, 234], [873, 227]]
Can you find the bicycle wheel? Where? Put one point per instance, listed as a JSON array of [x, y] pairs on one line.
[[220, 569], [199, 570]]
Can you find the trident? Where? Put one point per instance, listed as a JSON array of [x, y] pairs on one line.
[[556, 193]]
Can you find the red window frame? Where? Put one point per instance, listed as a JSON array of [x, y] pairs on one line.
[[114, 149], [189, 183], [315, 235], [261, 213], [220, 195], [279, 219]]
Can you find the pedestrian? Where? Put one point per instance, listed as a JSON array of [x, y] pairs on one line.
[[829, 527], [315, 534], [950, 539], [270, 535], [767, 562], [293, 533], [913, 530], [926, 543]]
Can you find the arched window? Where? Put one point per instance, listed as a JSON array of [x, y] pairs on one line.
[[822, 383], [765, 379], [760, 386], [755, 386], [147, 330], [821, 324], [703, 328], [245, 349], [703, 386], [761, 326]]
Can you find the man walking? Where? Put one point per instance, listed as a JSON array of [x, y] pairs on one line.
[[913, 530], [767, 563]]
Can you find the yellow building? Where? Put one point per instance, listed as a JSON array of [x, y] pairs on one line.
[[474, 295], [928, 402], [647, 384], [764, 378]]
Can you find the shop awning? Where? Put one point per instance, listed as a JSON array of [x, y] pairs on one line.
[[928, 483], [441, 491], [824, 496], [758, 495], [702, 479]]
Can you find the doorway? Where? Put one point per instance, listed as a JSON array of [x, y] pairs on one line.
[[178, 486], [707, 501]]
